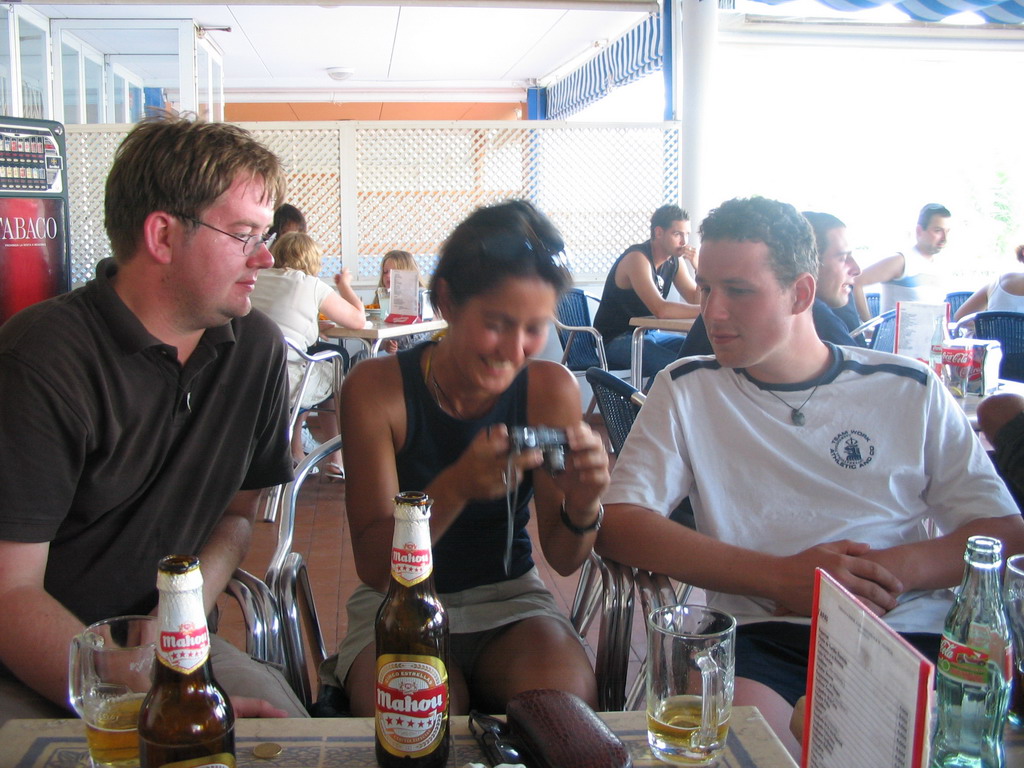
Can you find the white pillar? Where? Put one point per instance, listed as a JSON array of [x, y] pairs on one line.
[[698, 20]]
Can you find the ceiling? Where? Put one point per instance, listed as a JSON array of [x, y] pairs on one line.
[[418, 52]]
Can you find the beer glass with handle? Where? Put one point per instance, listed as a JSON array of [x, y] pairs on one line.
[[1013, 599], [110, 669], [691, 667]]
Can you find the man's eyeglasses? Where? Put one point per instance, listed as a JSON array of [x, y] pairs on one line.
[[250, 243]]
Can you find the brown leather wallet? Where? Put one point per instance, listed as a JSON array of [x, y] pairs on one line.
[[558, 730]]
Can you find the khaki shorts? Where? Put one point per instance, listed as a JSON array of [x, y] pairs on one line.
[[477, 611]]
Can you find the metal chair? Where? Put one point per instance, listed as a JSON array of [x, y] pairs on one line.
[[956, 300], [288, 580], [273, 495], [883, 331], [1008, 329], [261, 616], [582, 345]]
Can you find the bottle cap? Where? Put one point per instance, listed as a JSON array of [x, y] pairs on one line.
[[179, 573]]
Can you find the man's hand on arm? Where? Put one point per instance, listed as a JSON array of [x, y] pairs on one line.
[[641, 538], [684, 281], [939, 563], [39, 629], [792, 582], [227, 545]]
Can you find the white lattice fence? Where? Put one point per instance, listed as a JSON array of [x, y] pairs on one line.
[[366, 188]]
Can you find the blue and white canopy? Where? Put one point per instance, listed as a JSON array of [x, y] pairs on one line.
[[1009, 12], [641, 50]]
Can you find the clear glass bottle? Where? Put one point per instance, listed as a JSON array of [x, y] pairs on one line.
[[974, 668], [186, 719], [411, 696], [939, 337]]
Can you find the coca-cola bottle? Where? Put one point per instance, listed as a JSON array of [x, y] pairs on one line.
[[975, 663], [186, 719], [411, 696]]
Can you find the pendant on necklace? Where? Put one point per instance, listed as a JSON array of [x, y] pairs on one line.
[[797, 416]]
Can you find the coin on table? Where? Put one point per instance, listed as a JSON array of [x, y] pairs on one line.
[[267, 750]]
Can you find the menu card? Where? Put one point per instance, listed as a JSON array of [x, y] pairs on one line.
[[867, 688], [915, 326], [405, 296]]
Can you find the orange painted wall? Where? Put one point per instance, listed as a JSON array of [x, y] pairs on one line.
[[301, 111]]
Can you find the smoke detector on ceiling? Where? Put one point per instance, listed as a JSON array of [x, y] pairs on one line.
[[340, 73]]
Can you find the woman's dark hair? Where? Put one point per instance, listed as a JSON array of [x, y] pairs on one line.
[[287, 214], [510, 239]]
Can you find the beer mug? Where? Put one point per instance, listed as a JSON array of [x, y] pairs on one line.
[[691, 667], [110, 668], [1013, 599]]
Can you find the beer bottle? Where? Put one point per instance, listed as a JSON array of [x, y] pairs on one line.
[[411, 696], [186, 720], [974, 666]]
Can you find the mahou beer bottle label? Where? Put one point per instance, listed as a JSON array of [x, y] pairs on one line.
[[186, 648], [410, 563], [412, 699]]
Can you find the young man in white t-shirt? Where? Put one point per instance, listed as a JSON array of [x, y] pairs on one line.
[[797, 454]]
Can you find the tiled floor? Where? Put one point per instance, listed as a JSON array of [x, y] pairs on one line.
[[322, 536]]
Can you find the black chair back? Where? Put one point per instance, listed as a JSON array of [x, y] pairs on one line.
[[1008, 329], [884, 337], [618, 401], [580, 348], [956, 300]]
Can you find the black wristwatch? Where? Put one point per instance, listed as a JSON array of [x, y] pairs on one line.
[[578, 529]]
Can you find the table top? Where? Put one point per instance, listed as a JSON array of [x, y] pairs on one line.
[[378, 329], [348, 742], [663, 324]]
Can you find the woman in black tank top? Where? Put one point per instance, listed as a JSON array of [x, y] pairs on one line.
[[435, 418]]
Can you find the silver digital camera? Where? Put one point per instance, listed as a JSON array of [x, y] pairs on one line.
[[550, 441]]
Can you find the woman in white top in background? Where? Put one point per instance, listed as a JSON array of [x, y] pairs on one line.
[[294, 297], [1004, 294]]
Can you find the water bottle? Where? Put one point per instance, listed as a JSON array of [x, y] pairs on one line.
[[974, 669]]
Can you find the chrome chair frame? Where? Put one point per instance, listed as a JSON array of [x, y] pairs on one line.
[[272, 499], [288, 581], [262, 618]]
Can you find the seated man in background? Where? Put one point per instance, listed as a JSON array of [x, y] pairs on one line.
[[914, 274], [144, 411], [836, 270], [638, 285], [797, 454]]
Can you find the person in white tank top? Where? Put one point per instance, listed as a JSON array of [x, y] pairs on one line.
[[912, 275], [1004, 294]]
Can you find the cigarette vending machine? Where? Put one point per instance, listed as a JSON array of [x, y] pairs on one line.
[[35, 255]]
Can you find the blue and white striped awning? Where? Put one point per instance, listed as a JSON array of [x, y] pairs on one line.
[[637, 53], [640, 51], [1009, 12]]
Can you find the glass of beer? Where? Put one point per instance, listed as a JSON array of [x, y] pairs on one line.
[[1013, 598], [691, 667], [110, 669]]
